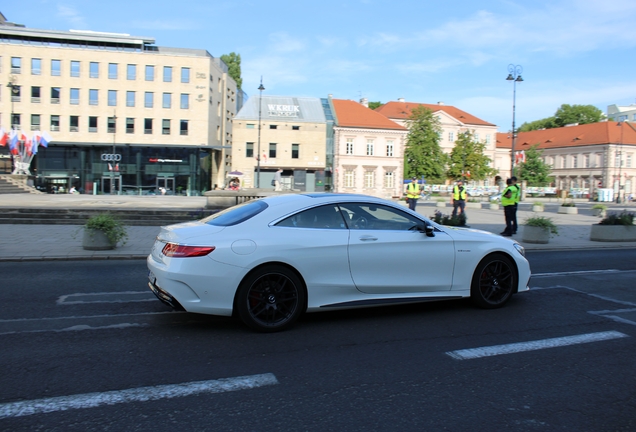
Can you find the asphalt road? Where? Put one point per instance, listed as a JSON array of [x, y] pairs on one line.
[[85, 346]]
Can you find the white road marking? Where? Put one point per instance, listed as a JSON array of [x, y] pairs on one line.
[[574, 273], [107, 297], [142, 394], [473, 353]]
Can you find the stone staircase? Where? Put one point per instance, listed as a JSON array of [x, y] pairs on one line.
[[57, 216], [10, 184]]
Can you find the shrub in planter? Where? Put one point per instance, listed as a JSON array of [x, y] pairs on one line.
[[538, 206], [615, 227], [599, 210], [442, 219], [539, 229], [103, 231], [568, 207]]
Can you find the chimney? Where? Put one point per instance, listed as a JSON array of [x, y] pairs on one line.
[[401, 100], [364, 102], [440, 103]]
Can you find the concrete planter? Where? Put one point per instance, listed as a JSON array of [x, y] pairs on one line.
[[474, 205], [533, 234], [494, 206], [568, 210], [96, 240], [613, 233], [441, 204], [537, 208]]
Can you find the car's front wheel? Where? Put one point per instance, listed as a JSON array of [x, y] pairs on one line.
[[494, 282], [271, 299]]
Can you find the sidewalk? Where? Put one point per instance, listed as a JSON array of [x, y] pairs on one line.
[[64, 242]]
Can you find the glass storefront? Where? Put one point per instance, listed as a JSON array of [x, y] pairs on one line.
[[129, 170]]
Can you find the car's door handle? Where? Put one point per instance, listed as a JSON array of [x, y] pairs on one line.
[[368, 238]]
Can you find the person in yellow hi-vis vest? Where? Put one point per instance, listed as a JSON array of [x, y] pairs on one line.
[[459, 198], [508, 202], [413, 193]]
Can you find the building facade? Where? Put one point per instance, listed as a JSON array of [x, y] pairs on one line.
[[292, 133], [454, 121], [368, 151], [123, 115], [586, 157]]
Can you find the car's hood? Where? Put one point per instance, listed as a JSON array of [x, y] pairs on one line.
[[466, 233]]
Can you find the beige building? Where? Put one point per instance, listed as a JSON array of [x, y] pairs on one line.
[[453, 122], [292, 133], [368, 151], [124, 115]]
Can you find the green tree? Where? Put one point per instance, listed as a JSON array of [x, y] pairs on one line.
[[423, 156], [566, 114], [534, 170], [467, 159], [374, 105], [233, 62]]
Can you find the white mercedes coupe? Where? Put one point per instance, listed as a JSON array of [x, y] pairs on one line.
[[270, 260]]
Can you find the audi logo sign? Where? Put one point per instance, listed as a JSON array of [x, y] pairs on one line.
[[111, 157]]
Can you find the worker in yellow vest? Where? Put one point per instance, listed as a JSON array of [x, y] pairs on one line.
[[517, 197], [459, 198], [413, 193], [508, 202]]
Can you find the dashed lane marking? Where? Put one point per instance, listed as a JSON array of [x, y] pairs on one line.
[[473, 353], [142, 394]]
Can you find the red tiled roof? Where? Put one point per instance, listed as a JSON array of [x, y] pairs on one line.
[[572, 136], [402, 110], [353, 114]]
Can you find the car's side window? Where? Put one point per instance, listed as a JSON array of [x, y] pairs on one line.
[[378, 217], [323, 217]]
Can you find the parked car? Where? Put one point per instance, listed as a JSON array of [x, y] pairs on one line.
[[270, 260]]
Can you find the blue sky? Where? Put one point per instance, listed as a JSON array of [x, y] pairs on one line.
[[571, 51]]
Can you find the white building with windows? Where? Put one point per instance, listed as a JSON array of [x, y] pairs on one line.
[[368, 151], [166, 112]]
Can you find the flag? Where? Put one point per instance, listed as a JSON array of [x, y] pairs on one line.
[[23, 136], [28, 146], [45, 139], [110, 167], [34, 142], [13, 139], [3, 137], [117, 167]]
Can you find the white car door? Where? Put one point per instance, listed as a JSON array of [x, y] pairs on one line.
[[387, 256]]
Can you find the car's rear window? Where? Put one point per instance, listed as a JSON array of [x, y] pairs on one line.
[[237, 214]]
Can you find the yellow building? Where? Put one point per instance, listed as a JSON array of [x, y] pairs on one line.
[[124, 115]]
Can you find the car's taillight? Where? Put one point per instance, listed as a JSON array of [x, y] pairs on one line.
[[182, 251]]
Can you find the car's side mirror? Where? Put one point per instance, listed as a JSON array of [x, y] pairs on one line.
[[429, 230]]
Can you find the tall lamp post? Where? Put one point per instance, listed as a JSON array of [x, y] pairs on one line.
[[619, 153], [14, 89], [258, 149], [514, 75], [112, 171]]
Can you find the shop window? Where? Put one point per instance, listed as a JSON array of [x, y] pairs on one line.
[[183, 128]]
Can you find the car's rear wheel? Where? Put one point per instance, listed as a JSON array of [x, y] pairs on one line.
[[271, 299], [494, 282]]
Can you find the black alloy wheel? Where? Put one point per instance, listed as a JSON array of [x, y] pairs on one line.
[[494, 282], [271, 299]]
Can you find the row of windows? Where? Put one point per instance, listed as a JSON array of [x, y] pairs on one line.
[[272, 126], [589, 161], [369, 179], [93, 122], [370, 147], [93, 97], [271, 152], [94, 70], [451, 137]]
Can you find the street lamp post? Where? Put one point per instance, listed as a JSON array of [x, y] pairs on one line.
[[13, 90], [258, 149], [514, 75], [112, 171], [619, 153]]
